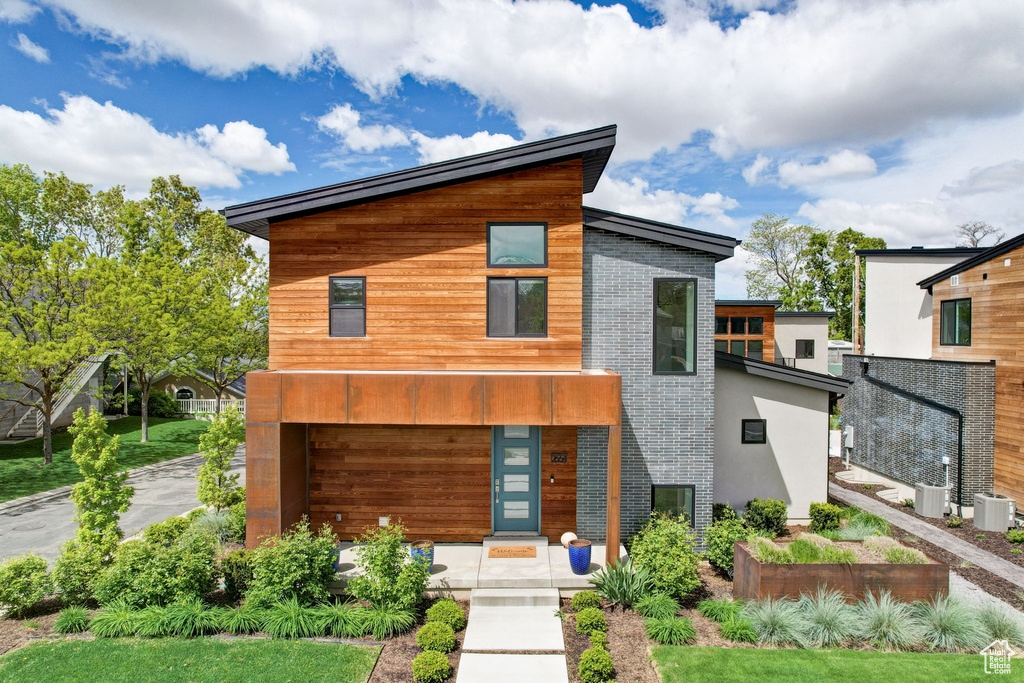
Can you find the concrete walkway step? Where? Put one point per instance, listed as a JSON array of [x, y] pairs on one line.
[[507, 625], [492, 668], [514, 597]]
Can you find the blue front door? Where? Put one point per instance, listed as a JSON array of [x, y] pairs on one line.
[[515, 480]]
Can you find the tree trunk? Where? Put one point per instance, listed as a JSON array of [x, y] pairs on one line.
[[144, 412], [47, 432], [220, 392]]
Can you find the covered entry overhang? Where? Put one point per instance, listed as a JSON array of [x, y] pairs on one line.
[[281, 404]]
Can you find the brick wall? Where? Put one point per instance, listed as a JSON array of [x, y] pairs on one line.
[[668, 420], [906, 440]]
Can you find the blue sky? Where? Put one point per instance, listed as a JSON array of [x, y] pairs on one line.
[[900, 119]]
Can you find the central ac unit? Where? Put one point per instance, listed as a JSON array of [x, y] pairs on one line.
[[931, 501], [993, 512]]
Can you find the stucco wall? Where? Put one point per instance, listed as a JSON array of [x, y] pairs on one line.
[[172, 383], [789, 328], [793, 463]]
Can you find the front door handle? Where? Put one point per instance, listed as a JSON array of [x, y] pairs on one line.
[[497, 489]]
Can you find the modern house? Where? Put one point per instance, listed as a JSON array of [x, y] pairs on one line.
[[83, 389], [746, 328], [801, 339], [464, 346]]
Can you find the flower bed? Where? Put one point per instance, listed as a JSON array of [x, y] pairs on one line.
[[753, 579]]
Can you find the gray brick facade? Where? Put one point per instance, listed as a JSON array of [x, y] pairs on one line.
[[906, 440], [668, 420]]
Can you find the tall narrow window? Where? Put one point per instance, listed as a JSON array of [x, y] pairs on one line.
[[955, 323], [517, 245], [348, 307], [517, 307], [805, 348], [675, 326]]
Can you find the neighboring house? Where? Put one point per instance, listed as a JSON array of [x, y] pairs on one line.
[[801, 339], [83, 390], [194, 395], [746, 328], [837, 348], [463, 347], [897, 312]]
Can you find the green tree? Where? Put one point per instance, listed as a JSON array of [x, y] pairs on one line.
[[829, 267], [217, 445], [778, 251]]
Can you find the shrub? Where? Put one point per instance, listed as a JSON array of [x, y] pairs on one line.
[[719, 539], [193, 515], [824, 516], [218, 444], [658, 606], [151, 622], [665, 548], [738, 631], [776, 622], [341, 620], [147, 574], [885, 622], [24, 581], [721, 610], [447, 611], [190, 618], [589, 620], [235, 525], [767, 551], [72, 620], [79, 568], [431, 667], [1015, 536], [214, 523], [954, 522], [583, 599], [949, 625], [167, 532], [436, 636], [102, 496], [242, 620], [390, 578], [864, 524], [671, 631], [999, 624], [830, 621], [901, 555], [767, 514], [237, 569], [623, 583], [385, 622], [722, 511], [296, 564], [596, 665], [907, 503], [599, 639], [289, 619], [117, 620]]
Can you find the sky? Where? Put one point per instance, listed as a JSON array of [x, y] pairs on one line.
[[899, 118]]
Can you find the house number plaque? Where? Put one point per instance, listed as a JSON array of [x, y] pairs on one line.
[[559, 458]]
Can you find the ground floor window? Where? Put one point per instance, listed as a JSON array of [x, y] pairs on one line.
[[184, 394], [673, 499]]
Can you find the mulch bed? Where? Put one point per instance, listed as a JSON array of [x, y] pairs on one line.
[[395, 662], [37, 623]]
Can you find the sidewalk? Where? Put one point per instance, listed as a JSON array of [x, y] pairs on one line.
[[972, 553]]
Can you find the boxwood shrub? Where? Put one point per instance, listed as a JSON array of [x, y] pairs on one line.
[[590, 620], [767, 514], [824, 516], [596, 665], [436, 635], [447, 611], [431, 667], [24, 581]]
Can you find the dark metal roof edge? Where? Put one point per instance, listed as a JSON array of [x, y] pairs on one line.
[[718, 245], [922, 360], [987, 255], [760, 368], [809, 314], [925, 251], [748, 302]]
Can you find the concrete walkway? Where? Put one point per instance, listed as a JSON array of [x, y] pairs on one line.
[[968, 551], [42, 522]]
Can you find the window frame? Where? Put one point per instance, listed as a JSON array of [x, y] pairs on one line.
[[654, 326], [719, 318], [693, 498], [755, 317], [942, 313], [764, 431], [517, 335], [491, 224], [331, 305], [796, 351], [749, 350]]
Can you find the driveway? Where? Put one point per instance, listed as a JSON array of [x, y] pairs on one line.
[[161, 491]]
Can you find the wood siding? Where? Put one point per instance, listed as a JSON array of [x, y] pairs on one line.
[[997, 331], [768, 332], [435, 479], [424, 259]]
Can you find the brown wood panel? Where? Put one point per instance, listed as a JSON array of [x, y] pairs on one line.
[[263, 396], [557, 482], [517, 399], [449, 399], [275, 479], [768, 332], [382, 398], [314, 397], [614, 480], [586, 399], [424, 259]]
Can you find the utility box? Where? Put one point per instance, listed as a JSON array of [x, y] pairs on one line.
[[931, 501], [993, 512]]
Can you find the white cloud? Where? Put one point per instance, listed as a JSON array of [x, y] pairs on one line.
[[922, 222], [104, 145], [1008, 175], [343, 121], [454, 146], [823, 72], [839, 166], [635, 197], [30, 49], [754, 173], [17, 11]]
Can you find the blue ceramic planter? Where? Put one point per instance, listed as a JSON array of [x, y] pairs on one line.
[[579, 556], [424, 551], [336, 554]]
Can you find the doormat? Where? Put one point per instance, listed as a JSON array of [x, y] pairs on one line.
[[515, 551]]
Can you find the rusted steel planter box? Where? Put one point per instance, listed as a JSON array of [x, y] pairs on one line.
[[753, 579]]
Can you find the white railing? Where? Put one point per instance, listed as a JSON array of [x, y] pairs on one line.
[[196, 406]]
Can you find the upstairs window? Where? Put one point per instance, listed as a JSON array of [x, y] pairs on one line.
[[721, 325], [753, 431], [738, 325], [517, 307], [955, 323], [755, 325], [675, 326], [805, 348], [517, 245], [348, 306]]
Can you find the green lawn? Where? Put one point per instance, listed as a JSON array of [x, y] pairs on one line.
[[690, 664], [199, 660], [22, 472]]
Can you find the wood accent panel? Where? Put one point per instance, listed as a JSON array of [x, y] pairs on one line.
[[558, 498], [997, 321], [450, 399], [768, 331], [314, 397], [373, 396], [275, 478], [424, 259], [263, 397], [517, 400], [579, 400], [614, 496]]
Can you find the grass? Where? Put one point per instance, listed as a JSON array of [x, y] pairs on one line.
[[695, 664], [22, 472], [204, 660]]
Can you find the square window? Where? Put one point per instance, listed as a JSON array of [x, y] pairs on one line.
[[673, 500], [347, 307], [738, 325], [955, 323], [805, 348], [754, 431], [722, 345], [721, 325], [738, 347], [675, 326], [517, 245], [517, 307], [755, 325], [755, 349]]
